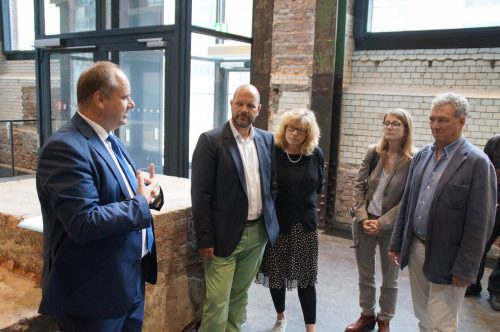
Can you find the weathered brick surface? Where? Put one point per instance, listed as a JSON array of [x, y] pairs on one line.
[[14, 76], [20, 250], [25, 146]]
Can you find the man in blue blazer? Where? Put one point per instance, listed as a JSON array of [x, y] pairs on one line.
[[233, 188], [98, 243], [446, 216]]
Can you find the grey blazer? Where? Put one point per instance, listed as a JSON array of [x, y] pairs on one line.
[[461, 217], [365, 185]]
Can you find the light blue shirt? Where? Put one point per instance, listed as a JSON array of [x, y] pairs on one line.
[[432, 174]]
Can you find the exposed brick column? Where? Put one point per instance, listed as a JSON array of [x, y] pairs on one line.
[[292, 56], [293, 59], [322, 86], [261, 56]]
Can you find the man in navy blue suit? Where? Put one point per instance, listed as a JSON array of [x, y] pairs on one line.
[[232, 190], [98, 230]]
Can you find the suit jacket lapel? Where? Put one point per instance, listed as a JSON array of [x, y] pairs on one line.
[[96, 143], [230, 142], [420, 169], [261, 153]]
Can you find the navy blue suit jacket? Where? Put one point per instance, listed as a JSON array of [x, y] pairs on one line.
[[92, 228], [219, 193]]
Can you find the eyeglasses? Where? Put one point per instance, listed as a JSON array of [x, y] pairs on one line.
[[394, 124], [291, 129]]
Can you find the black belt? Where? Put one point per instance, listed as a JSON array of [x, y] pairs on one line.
[[253, 221], [419, 239]]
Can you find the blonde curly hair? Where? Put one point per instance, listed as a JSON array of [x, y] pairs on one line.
[[307, 120]]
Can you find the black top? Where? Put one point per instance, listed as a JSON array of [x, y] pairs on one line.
[[492, 149], [298, 184]]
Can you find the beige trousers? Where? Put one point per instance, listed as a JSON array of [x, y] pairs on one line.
[[436, 306]]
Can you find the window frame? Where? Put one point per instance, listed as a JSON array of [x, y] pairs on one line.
[[423, 39], [5, 35]]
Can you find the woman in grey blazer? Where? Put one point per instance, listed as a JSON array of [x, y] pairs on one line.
[[378, 189]]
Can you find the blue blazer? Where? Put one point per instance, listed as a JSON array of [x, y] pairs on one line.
[[219, 193], [92, 228], [461, 216]]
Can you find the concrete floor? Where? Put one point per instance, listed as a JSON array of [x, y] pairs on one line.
[[337, 298]]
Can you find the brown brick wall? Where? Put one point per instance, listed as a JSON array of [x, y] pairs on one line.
[[25, 135], [25, 146]]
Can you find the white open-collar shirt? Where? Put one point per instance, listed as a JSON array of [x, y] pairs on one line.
[[250, 158]]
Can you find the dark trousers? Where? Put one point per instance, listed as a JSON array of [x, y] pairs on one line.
[[307, 297], [494, 280], [130, 322]]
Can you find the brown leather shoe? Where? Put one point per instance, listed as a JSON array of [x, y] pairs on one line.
[[383, 326], [364, 323]]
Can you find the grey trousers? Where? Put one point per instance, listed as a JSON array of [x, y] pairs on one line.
[[365, 258]]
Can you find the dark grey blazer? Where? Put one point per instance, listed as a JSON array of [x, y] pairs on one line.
[[461, 217], [218, 189]]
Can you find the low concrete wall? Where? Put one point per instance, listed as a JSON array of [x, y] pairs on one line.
[[174, 304]]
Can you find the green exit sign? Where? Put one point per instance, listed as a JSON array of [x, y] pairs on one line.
[[220, 26]]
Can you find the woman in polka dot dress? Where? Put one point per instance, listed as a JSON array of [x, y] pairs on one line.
[[293, 261]]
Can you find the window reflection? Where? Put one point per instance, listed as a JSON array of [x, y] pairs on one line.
[[133, 13], [143, 134], [64, 16], [218, 67], [410, 15], [232, 16], [65, 69]]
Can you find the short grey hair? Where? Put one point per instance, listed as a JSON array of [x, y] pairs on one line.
[[459, 103]]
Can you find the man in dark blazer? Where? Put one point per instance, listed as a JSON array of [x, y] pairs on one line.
[[98, 250], [232, 190], [447, 213]]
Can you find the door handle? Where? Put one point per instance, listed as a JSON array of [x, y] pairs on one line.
[[153, 42]]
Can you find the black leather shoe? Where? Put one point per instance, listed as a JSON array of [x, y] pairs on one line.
[[473, 290], [364, 323]]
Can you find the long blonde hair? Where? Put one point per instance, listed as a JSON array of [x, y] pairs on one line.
[[407, 145], [307, 119]]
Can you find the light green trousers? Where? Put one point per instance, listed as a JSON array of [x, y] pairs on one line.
[[227, 280]]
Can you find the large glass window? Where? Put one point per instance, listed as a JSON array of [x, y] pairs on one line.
[[133, 13], [18, 25], [144, 132], [415, 15], [218, 67], [231, 16], [65, 69], [415, 24], [66, 16]]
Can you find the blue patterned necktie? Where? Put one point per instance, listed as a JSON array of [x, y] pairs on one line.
[[132, 180]]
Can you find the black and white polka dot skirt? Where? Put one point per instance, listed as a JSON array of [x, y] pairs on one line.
[[292, 262]]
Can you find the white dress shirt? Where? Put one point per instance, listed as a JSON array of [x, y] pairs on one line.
[[250, 158], [103, 135]]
